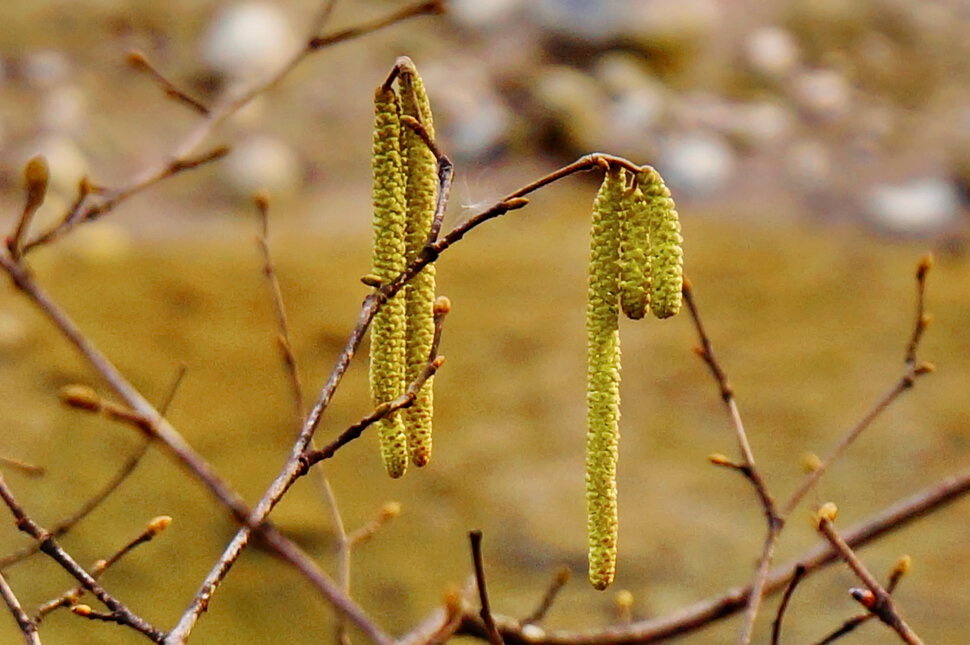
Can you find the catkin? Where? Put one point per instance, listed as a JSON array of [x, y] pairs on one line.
[[421, 169], [666, 245], [634, 255], [388, 329], [603, 380]]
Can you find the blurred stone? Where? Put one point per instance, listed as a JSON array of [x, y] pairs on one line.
[[917, 207], [262, 162], [760, 123], [809, 166], [638, 103], [63, 109], [249, 40], [576, 102], [651, 20], [587, 20], [45, 69], [471, 115], [824, 93], [477, 14], [772, 52], [697, 163]]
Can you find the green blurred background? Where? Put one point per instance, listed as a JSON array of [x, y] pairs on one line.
[[807, 294]]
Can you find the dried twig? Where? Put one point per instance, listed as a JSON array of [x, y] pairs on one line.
[[475, 537], [878, 601], [747, 467], [27, 627], [22, 466], [701, 614], [180, 158], [71, 597], [49, 545], [796, 578], [139, 61], [558, 582]]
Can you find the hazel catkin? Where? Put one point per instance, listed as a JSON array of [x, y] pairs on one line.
[[666, 245], [421, 191], [388, 329], [603, 380], [634, 255]]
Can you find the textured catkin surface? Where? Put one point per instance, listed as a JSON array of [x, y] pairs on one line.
[[634, 255], [420, 195], [603, 381], [388, 329], [666, 246]]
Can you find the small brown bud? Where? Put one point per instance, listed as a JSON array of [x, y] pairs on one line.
[[390, 510], [158, 524], [442, 305], [261, 199], [925, 264], [864, 597], [811, 462], [371, 280], [81, 396], [902, 567], [82, 610], [623, 599], [719, 460], [826, 512]]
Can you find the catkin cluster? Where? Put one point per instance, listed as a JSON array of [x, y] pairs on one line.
[[636, 263], [405, 192]]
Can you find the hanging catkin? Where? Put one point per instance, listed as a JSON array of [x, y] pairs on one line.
[[634, 255], [388, 329], [603, 379], [421, 169], [666, 245]]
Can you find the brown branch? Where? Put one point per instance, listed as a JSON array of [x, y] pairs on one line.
[[71, 597], [747, 467], [701, 614], [850, 625], [182, 155], [558, 582], [427, 8], [139, 62], [36, 177], [880, 602], [796, 578], [27, 627], [475, 537], [62, 527], [22, 466], [49, 545]]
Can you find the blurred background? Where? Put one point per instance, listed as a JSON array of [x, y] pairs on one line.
[[816, 149]]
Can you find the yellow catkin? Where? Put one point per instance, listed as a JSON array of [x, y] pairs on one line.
[[421, 192], [634, 256], [389, 327], [666, 245], [603, 380]]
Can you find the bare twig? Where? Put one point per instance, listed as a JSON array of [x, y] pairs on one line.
[[22, 466], [475, 537], [183, 152], [27, 627], [853, 623], [796, 578], [701, 614], [558, 582], [49, 545], [880, 602], [139, 61], [747, 467], [66, 524], [913, 370]]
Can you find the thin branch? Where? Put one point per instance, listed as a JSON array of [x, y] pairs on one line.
[[49, 545], [72, 596], [187, 148], [701, 614], [139, 61], [785, 599], [66, 524], [27, 627], [558, 582], [475, 537], [748, 468], [22, 466], [881, 603], [850, 625]]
